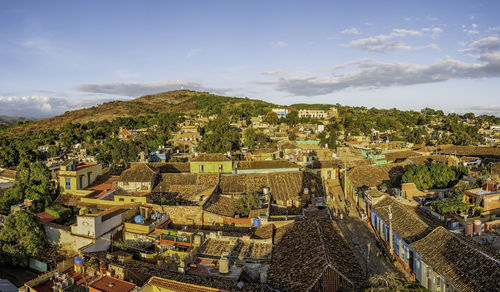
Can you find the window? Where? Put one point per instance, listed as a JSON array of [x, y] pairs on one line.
[[121, 199], [132, 200], [329, 174], [201, 168], [68, 183], [220, 167]]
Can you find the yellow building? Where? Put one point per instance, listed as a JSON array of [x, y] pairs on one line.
[[74, 176]]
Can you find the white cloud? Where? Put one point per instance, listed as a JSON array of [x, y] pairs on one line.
[[407, 19], [485, 109], [350, 31], [371, 74], [473, 30], [485, 45], [381, 42], [143, 88], [273, 72], [278, 44], [496, 28], [39, 106]]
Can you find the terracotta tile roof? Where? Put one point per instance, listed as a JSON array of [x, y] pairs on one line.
[[398, 155], [335, 163], [374, 175], [427, 159], [210, 157], [171, 167], [405, 223], [461, 264], [222, 206], [176, 286], [139, 172], [283, 185], [471, 151], [45, 217], [264, 231], [264, 164], [110, 284], [306, 251]]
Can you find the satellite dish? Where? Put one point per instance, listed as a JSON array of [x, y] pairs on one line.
[[138, 219]]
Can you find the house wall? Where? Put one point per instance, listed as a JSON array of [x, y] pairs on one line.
[[492, 203], [211, 166], [74, 176], [136, 186], [120, 200], [92, 226], [423, 272], [64, 238]]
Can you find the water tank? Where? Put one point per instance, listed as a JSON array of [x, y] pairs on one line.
[[78, 260], [138, 219], [477, 226], [256, 222], [224, 265], [468, 228]]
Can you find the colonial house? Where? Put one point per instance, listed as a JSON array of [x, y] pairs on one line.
[[399, 227], [140, 178], [446, 263], [327, 169], [211, 163], [75, 176]]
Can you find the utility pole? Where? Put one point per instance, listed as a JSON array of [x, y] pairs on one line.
[[391, 245], [368, 259], [345, 180]]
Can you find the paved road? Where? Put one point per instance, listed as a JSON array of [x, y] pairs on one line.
[[361, 235]]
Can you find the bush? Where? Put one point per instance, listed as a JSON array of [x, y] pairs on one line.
[[61, 213]]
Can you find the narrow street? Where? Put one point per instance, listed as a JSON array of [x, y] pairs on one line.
[[362, 236]]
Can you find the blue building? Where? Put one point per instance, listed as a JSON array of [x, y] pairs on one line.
[[436, 258]]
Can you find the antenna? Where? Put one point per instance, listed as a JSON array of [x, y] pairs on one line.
[[182, 84]]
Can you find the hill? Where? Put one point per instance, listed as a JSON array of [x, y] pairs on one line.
[[185, 101], [6, 120]]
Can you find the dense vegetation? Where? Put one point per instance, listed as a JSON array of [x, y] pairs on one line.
[[436, 175], [34, 183], [22, 236], [219, 136]]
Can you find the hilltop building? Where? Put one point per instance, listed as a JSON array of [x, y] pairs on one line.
[[281, 112]]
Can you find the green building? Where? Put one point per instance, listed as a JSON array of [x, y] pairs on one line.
[[211, 163]]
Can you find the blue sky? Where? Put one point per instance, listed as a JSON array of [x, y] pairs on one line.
[[61, 55]]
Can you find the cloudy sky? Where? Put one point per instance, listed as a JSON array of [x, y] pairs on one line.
[[61, 55]]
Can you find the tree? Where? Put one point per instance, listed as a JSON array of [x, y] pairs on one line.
[[441, 174], [34, 183], [247, 203], [420, 175], [219, 137], [435, 175], [22, 237], [271, 118]]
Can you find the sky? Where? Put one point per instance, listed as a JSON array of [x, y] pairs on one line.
[[57, 56]]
